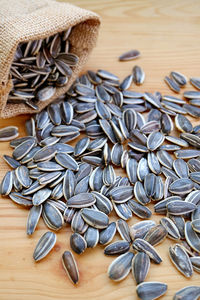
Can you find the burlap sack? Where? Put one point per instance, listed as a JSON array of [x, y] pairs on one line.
[[24, 20]]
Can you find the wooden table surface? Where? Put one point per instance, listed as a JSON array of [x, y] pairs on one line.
[[167, 34]]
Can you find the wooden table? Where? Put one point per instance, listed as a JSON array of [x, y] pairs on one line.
[[167, 34]]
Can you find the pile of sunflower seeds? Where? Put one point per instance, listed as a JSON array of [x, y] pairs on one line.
[[39, 67], [79, 186]]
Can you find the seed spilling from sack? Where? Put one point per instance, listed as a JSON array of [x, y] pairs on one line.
[[39, 67]]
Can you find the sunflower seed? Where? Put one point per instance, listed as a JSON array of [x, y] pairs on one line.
[[142, 169], [94, 218], [151, 290], [181, 186], [195, 263], [120, 267], [196, 225], [180, 79], [172, 84], [92, 237], [46, 153], [154, 114], [180, 259], [153, 163], [77, 223], [140, 194], [33, 218], [181, 168], [8, 133], [78, 243], [130, 55], [193, 197], [123, 211], [166, 124], [156, 235], [140, 266], [139, 210], [192, 237], [172, 230], [150, 127], [173, 99], [183, 124], [40, 196], [7, 183], [192, 110], [23, 148], [44, 245], [186, 154], [70, 266], [21, 199], [118, 247], [52, 216], [152, 99], [188, 293], [66, 161], [138, 75], [11, 161], [144, 246], [165, 158], [121, 194], [125, 84], [139, 229], [155, 139], [81, 200], [149, 184]]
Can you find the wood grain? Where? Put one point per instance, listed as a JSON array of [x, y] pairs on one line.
[[167, 34]]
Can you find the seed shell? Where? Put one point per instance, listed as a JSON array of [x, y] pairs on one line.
[[151, 290], [70, 266], [44, 245], [120, 267]]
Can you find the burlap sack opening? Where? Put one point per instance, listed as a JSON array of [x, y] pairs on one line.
[[24, 20]]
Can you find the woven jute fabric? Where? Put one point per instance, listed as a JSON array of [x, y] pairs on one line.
[[25, 20]]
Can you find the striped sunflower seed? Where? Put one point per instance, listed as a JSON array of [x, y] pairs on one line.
[[138, 75], [81, 200], [188, 293], [123, 230], [181, 260], [151, 290], [92, 237], [52, 216], [140, 229], [195, 263], [181, 186], [179, 78], [118, 247], [94, 218], [8, 133], [140, 266], [7, 183], [192, 237], [130, 55], [196, 225], [78, 243], [156, 235], [107, 234], [120, 267], [144, 246], [33, 218], [168, 224], [44, 245], [183, 124], [70, 266]]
